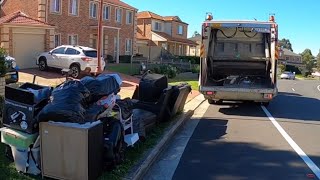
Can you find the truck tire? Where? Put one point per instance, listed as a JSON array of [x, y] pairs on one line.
[[210, 101]]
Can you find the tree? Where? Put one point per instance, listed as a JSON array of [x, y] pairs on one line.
[[196, 33], [318, 61], [285, 43], [307, 59]]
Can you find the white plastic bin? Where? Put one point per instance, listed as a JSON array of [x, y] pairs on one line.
[[20, 156]]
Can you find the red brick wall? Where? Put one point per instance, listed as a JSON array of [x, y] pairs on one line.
[[175, 30], [147, 24], [11, 6], [81, 24]]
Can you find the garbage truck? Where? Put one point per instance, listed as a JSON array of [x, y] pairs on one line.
[[239, 60]]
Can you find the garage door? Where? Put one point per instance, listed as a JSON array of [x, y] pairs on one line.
[[26, 47]]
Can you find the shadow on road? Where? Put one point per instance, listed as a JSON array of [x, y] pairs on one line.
[[286, 105], [209, 155]]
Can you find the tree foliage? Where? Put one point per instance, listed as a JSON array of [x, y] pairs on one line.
[[318, 61], [285, 43], [307, 59], [196, 33]]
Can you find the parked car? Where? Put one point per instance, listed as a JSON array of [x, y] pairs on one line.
[[315, 74], [12, 75], [288, 75], [75, 58]]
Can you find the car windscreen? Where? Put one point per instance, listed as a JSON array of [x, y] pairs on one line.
[[90, 53]]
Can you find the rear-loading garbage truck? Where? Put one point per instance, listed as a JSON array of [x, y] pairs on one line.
[[239, 60]]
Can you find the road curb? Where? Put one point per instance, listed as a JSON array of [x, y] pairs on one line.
[[148, 160]]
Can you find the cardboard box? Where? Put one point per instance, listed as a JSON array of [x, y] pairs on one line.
[[70, 152]]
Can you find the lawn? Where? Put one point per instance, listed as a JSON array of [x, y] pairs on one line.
[[190, 78], [124, 68]]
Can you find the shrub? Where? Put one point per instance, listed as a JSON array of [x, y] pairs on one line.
[[125, 59], [168, 70], [195, 69], [3, 68]]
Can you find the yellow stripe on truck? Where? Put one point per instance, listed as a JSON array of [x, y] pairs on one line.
[[202, 51]]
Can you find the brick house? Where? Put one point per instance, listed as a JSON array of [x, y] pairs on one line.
[[166, 32], [75, 22], [195, 50], [288, 57]]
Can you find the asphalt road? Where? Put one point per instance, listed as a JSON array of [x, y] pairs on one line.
[[246, 141]]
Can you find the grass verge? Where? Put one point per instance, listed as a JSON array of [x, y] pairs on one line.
[[133, 155]]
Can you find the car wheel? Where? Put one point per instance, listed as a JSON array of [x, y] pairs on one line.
[[75, 70], [43, 64]]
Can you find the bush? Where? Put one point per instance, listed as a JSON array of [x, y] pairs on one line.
[[192, 59], [125, 59], [168, 70], [195, 69], [3, 69]]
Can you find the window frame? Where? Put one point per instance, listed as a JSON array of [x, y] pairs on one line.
[[127, 18], [77, 39], [116, 15], [71, 8], [91, 5], [59, 43], [159, 25], [179, 30], [53, 9], [109, 12], [128, 51]]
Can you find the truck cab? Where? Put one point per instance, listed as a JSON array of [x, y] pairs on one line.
[[239, 60]]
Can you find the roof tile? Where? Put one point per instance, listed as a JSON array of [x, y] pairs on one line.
[[21, 18]]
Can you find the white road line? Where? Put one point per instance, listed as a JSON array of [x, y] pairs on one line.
[[294, 145], [293, 89], [318, 87]]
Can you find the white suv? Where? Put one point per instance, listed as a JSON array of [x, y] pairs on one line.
[[75, 58]]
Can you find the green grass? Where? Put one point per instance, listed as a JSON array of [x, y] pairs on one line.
[[133, 155], [189, 78], [124, 68]]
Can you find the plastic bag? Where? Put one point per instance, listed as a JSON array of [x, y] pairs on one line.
[[103, 85], [67, 103]]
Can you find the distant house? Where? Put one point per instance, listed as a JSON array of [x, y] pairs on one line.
[[164, 33], [290, 58], [195, 50], [33, 26]]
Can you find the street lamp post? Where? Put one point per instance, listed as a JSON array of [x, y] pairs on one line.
[[99, 49]]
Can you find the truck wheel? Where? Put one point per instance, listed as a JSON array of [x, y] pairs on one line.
[[75, 70], [43, 64], [210, 101]]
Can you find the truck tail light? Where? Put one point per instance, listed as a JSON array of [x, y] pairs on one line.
[[267, 96], [86, 59], [210, 93]]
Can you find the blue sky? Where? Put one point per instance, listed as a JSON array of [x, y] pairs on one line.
[[299, 20]]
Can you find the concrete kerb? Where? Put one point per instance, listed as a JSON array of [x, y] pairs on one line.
[[144, 165]]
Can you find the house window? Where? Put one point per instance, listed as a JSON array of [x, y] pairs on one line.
[[55, 6], [157, 26], [118, 15], [57, 40], [180, 29], [106, 12], [287, 58], [93, 10], [129, 17], [73, 39], [128, 46], [73, 7]]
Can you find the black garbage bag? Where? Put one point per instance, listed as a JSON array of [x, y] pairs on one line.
[[103, 85], [114, 145], [92, 112], [67, 103]]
